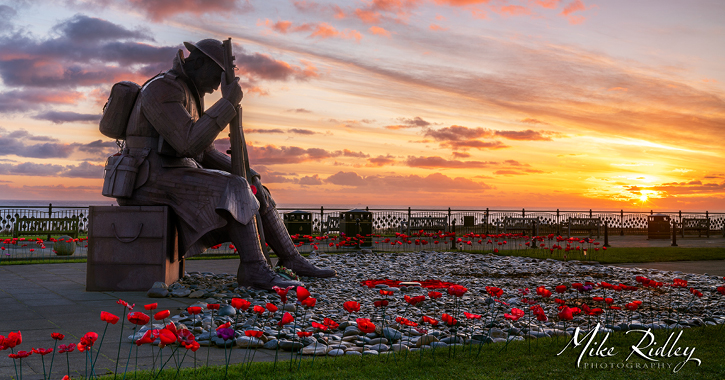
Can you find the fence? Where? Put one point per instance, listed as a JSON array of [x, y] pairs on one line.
[[469, 224]]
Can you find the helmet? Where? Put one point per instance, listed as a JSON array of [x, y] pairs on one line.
[[211, 48]]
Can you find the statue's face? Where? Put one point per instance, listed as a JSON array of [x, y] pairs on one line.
[[208, 77]]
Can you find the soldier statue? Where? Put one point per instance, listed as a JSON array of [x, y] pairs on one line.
[[172, 136]]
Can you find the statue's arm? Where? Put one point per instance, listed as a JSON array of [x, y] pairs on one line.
[[163, 106], [214, 159]]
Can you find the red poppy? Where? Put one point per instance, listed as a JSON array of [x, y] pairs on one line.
[[286, 318], [560, 288], [42, 351], [351, 306], [271, 307], [542, 291], [20, 355], [213, 306], [57, 336], [109, 318], [364, 325], [148, 337], [239, 303], [471, 316], [193, 346], [125, 304], [598, 299], [167, 337], [515, 314], [695, 292], [309, 302], [330, 323], [302, 293], [566, 314], [380, 303], [254, 333], [538, 311], [414, 300], [457, 290], [224, 326], [559, 301], [302, 334], [615, 308], [448, 319], [89, 339], [162, 315], [318, 326], [427, 319], [609, 301], [721, 290], [138, 318], [631, 306], [194, 310], [151, 306], [494, 291], [282, 293], [434, 295], [386, 292]]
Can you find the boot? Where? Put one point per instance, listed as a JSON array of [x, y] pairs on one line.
[[253, 268], [278, 238]]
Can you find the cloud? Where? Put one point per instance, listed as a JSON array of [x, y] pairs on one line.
[[269, 176], [6, 15], [263, 130], [514, 163], [574, 6], [432, 183], [461, 155], [299, 110], [60, 117], [261, 66], [100, 147], [381, 160], [320, 30], [439, 162], [83, 170], [300, 131], [527, 135], [529, 120], [409, 123], [30, 99], [459, 137], [270, 154], [349, 153], [517, 172], [90, 29], [379, 31], [437, 28], [310, 180], [17, 143], [160, 10]]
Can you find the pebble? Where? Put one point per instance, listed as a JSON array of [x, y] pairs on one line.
[[157, 292]]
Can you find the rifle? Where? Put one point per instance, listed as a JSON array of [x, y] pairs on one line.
[[238, 149]]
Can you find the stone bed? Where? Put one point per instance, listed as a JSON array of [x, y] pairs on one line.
[[663, 307]]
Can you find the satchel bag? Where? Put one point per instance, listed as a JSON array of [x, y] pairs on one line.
[[119, 176]]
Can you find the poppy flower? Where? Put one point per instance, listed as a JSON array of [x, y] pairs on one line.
[[254, 333], [471, 316], [224, 326], [448, 319], [631, 306], [138, 318], [302, 293], [167, 337], [286, 318], [679, 283], [259, 309], [282, 293], [162, 315], [309, 302], [615, 308], [63, 348], [213, 306], [609, 301], [435, 295], [494, 291], [151, 306], [414, 300], [695, 292], [380, 303], [364, 325], [515, 314], [406, 322], [20, 355], [42, 351], [89, 339], [427, 319], [57, 336], [109, 318], [303, 334], [125, 304], [193, 346], [148, 337], [271, 307], [185, 336], [225, 333], [330, 323], [598, 299], [565, 314], [561, 288], [240, 303], [351, 306], [457, 290], [386, 292], [194, 310], [721, 290]]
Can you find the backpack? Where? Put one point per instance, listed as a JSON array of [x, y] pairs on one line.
[[118, 108]]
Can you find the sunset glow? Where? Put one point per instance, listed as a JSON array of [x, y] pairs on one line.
[[502, 103]]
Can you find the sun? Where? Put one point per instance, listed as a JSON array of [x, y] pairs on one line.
[[643, 197]]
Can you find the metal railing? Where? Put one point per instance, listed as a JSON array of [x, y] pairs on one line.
[[326, 228]]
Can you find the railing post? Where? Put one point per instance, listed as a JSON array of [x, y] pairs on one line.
[[558, 223], [674, 234], [590, 213], [523, 213], [606, 234], [50, 215], [707, 224], [487, 221], [408, 231], [449, 218], [453, 229], [621, 222], [322, 217]]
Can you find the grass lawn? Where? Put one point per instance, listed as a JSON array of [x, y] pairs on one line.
[[517, 361], [630, 255]]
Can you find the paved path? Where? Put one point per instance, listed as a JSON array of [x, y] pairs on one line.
[[41, 299]]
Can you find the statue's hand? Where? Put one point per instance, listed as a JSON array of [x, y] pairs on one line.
[[232, 92]]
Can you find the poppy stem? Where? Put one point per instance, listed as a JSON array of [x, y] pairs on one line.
[[52, 358], [93, 366], [120, 338], [211, 326], [42, 359], [302, 326], [129, 352], [294, 333], [178, 369], [67, 363]]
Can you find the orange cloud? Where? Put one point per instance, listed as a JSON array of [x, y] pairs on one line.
[[368, 16], [512, 10], [379, 31], [574, 6], [437, 28], [550, 4]]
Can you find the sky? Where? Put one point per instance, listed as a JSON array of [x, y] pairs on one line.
[[568, 104]]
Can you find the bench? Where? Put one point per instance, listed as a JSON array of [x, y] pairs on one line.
[[46, 226], [522, 225], [425, 223], [584, 224], [695, 224]]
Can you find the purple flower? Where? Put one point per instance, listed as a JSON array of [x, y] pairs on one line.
[[225, 333]]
